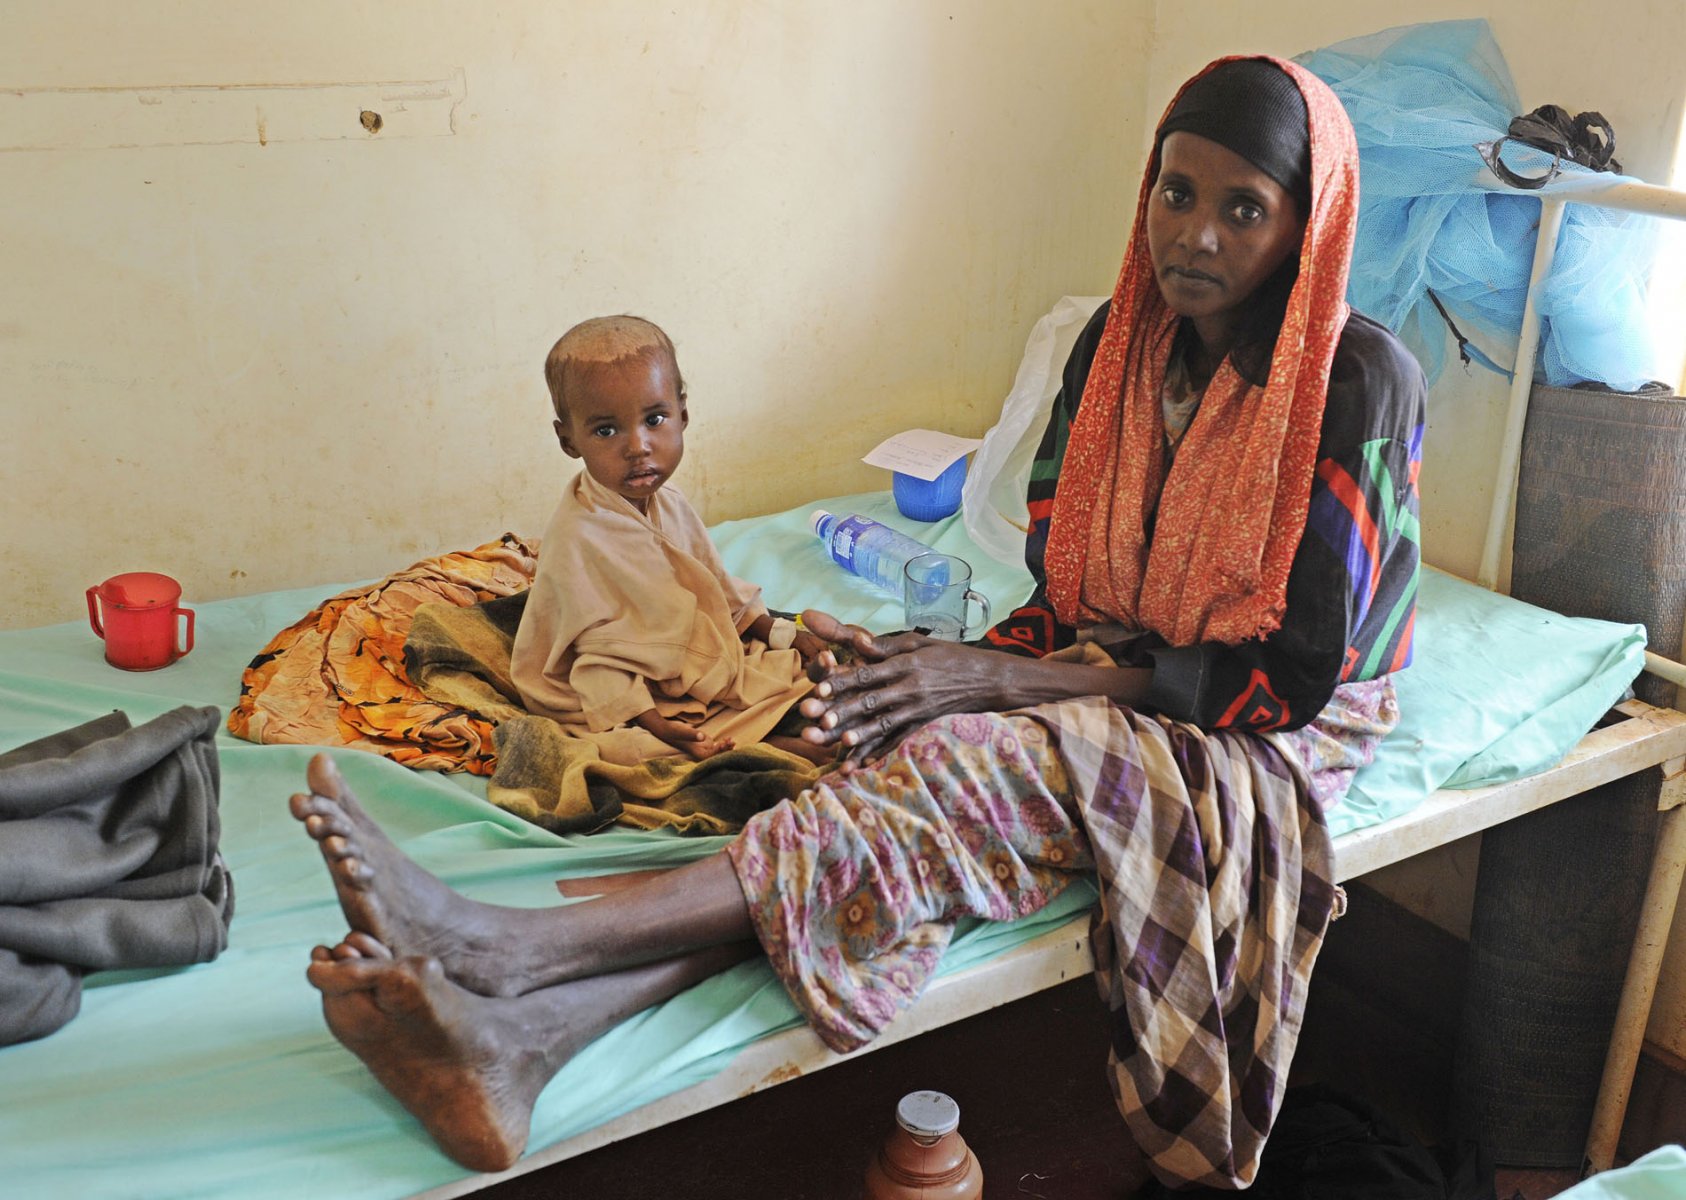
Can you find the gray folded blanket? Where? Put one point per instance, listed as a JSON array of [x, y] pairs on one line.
[[108, 860]]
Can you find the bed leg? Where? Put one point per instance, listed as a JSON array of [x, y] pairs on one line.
[[1662, 892]]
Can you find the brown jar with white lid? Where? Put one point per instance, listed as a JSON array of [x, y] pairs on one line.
[[925, 1158]]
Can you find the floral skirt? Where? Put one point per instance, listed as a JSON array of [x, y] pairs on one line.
[[1215, 872], [854, 886]]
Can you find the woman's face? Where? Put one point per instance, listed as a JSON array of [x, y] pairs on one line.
[[1217, 227]]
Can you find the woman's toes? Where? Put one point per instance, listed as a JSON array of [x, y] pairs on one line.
[[365, 945], [324, 780], [352, 871]]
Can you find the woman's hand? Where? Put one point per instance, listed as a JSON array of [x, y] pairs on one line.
[[874, 691], [894, 685]]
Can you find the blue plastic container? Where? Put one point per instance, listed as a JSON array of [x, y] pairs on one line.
[[929, 499]]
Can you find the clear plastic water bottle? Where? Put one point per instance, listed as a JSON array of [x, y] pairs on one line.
[[867, 548]]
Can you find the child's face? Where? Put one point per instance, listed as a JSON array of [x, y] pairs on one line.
[[627, 423]]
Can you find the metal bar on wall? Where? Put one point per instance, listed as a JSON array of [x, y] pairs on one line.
[[1624, 194], [1516, 411]]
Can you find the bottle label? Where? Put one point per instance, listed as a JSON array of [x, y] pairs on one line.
[[844, 535]]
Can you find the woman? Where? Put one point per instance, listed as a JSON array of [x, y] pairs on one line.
[[1224, 514]]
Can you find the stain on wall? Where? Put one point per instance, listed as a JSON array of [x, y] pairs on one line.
[[103, 118]]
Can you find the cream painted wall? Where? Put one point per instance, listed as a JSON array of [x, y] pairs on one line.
[[1625, 64], [257, 366]]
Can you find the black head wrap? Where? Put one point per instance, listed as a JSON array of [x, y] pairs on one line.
[[1252, 107]]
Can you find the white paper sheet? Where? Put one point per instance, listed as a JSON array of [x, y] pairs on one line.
[[922, 453]]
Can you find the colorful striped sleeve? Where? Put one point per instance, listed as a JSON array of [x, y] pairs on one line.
[[1352, 591]]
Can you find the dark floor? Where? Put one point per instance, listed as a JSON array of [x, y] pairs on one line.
[[811, 1139], [1035, 1107]]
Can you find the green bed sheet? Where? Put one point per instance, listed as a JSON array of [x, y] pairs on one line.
[[221, 1079], [1659, 1175]]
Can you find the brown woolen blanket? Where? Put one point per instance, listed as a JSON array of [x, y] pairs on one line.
[[459, 658]]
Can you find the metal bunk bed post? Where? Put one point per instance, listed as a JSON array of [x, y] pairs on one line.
[[1639, 988], [1668, 863], [1650, 943]]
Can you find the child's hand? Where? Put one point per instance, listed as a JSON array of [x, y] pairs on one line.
[[839, 644], [808, 645]]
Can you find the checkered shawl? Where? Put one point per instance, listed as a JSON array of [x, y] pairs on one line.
[[1216, 889]]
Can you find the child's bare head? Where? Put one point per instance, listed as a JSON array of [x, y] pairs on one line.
[[604, 342], [620, 404]]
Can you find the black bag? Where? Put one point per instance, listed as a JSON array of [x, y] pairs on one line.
[[1584, 138], [1327, 1145]]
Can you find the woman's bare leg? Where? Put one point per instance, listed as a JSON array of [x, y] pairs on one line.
[[470, 1067], [500, 951], [585, 887]]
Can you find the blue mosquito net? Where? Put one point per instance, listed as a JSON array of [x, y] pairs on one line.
[[1432, 217]]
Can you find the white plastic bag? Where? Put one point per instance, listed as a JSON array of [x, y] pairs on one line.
[[992, 499]]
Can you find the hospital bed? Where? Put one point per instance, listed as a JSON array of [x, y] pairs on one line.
[[222, 1078]]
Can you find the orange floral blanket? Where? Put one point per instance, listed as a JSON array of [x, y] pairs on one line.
[[416, 667], [337, 678]]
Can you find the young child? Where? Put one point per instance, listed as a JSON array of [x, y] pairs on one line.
[[634, 635]]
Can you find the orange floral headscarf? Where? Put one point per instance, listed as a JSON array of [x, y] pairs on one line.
[[1233, 506]]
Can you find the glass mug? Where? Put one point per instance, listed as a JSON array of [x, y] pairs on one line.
[[935, 591]]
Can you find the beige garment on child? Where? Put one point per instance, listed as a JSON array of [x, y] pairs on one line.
[[632, 611]]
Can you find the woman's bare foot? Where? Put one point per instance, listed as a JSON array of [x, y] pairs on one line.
[[487, 949], [497, 951], [470, 1067], [447, 1055]]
